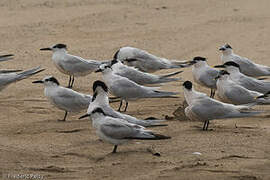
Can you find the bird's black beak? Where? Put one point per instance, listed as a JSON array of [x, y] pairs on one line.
[[99, 70], [6, 55], [38, 82], [222, 49], [191, 62], [84, 116], [216, 78], [219, 66], [46, 49]]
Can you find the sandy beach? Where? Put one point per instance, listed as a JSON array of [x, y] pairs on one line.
[[33, 141]]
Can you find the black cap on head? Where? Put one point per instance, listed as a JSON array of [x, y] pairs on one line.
[[100, 84], [228, 46], [116, 55], [53, 79], [60, 46], [98, 110], [187, 85], [231, 63], [199, 58]]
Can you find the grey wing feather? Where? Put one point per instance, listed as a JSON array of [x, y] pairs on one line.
[[128, 89], [207, 109], [239, 95], [79, 65], [254, 84], [209, 78], [119, 130], [72, 101], [8, 78]]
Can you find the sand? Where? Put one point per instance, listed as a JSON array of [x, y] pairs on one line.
[[32, 141]]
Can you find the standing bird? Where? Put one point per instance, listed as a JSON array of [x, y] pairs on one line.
[[128, 90], [71, 65], [203, 108], [140, 77], [231, 92], [248, 67], [203, 74], [10, 76], [145, 61], [250, 83], [117, 131], [6, 57], [100, 100], [64, 98]]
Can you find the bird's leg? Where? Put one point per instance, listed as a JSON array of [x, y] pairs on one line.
[[214, 92], [69, 82], [72, 81], [204, 124], [114, 149], [126, 106], [211, 94], [121, 102], [207, 125], [64, 119]]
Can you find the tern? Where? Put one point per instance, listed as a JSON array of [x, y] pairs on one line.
[[248, 67], [231, 92], [128, 90], [203, 74], [203, 108], [10, 76], [145, 61], [250, 83], [118, 131], [140, 77], [64, 98], [100, 99], [71, 65]]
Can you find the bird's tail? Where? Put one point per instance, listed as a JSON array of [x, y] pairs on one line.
[[28, 73], [263, 99], [170, 74], [182, 64], [6, 57], [9, 71], [163, 94], [152, 122], [149, 135], [166, 77], [249, 113]]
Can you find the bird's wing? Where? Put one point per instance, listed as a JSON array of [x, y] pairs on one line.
[[208, 109], [136, 75], [71, 100], [208, 78], [123, 87], [253, 84], [119, 130], [143, 60], [77, 64], [9, 71], [239, 94], [7, 78]]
